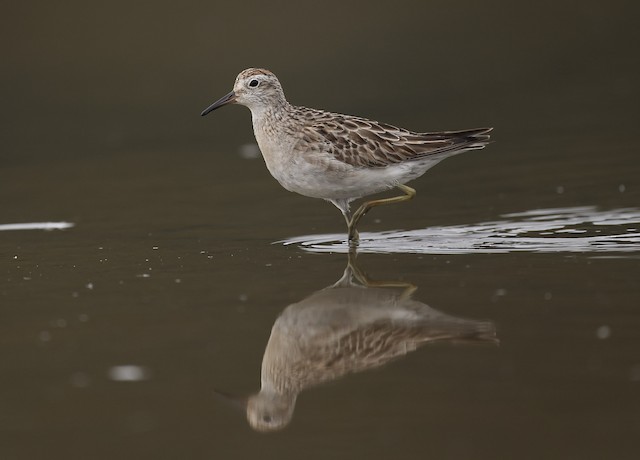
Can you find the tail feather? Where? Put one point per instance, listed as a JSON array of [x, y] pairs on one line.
[[478, 135], [457, 141]]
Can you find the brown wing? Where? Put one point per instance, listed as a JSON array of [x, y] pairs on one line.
[[361, 349], [383, 341], [361, 142]]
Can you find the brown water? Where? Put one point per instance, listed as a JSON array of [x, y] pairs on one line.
[[178, 253]]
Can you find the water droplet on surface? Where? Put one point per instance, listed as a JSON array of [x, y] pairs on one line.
[[603, 332], [44, 336], [501, 292], [128, 373]]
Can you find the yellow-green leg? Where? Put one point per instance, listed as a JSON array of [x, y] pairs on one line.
[[363, 278], [365, 207]]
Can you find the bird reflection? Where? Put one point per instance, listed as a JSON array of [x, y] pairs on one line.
[[350, 326]]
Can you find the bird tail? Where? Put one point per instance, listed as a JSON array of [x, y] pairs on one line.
[[477, 332], [471, 139], [438, 326]]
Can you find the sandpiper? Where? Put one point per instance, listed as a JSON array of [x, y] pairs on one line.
[[352, 326], [336, 157]]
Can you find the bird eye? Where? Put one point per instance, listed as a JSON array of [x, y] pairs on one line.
[[254, 83]]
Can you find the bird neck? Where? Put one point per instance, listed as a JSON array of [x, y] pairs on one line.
[[272, 111], [268, 120]]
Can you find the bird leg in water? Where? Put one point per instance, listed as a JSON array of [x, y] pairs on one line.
[[365, 207], [354, 269]]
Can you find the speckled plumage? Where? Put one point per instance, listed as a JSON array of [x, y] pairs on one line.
[[346, 328], [336, 157]]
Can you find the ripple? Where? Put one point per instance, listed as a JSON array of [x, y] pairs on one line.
[[577, 229], [37, 226]]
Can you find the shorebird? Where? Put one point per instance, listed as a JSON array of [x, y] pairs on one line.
[[345, 328], [336, 157]]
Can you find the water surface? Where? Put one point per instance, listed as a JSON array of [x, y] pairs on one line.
[[146, 254]]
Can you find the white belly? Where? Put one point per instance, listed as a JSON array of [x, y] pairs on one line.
[[319, 176]]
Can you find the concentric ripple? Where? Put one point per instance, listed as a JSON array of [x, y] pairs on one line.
[[578, 229]]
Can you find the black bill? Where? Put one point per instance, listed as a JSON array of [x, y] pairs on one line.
[[226, 99]]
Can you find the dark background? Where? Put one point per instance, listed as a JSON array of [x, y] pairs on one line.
[[100, 127]]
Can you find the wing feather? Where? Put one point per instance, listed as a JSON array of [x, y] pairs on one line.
[[367, 143]]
